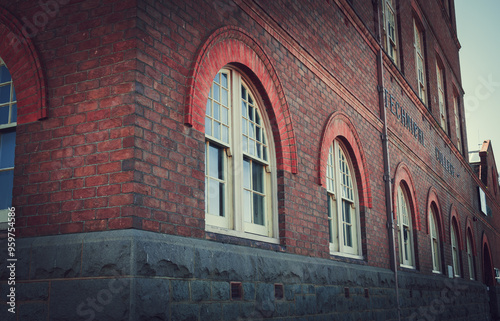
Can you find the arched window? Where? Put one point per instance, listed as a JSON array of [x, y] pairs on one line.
[[470, 257], [406, 254], [239, 163], [343, 209], [8, 122], [455, 251], [434, 233]]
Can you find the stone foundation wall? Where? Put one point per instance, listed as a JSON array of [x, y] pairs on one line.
[[138, 275]]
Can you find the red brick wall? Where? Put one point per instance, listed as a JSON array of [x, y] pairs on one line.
[[122, 145]]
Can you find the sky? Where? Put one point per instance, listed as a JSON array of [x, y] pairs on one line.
[[478, 29]]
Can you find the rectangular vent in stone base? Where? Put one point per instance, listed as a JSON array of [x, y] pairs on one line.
[[236, 291], [278, 291], [346, 292], [367, 293]]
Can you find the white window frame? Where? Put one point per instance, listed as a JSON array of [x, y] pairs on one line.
[[435, 243], [458, 123], [419, 62], [337, 199], [390, 30], [455, 252], [443, 114], [470, 258], [233, 223], [406, 249], [6, 128]]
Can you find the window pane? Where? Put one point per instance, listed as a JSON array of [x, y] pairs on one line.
[[13, 115], [4, 74], [225, 98], [246, 174], [4, 94], [208, 126], [258, 177], [224, 80], [216, 111], [216, 91], [258, 209], [209, 107], [7, 150], [224, 115], [243, 93], [216, 162], [4, 115], [225, 134], [247, 206], [214, 197], [7, 179], [216, 130]]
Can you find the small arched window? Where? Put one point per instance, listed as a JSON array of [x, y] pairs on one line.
[[8, 122], [455, 254], [343, 207], [406, 253], [470, 257], [239, 159], [435, 242]]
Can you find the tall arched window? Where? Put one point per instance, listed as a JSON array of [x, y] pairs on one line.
[[406, 254], [455, 251], [8, 122], [470, 257], [239, 160], [343, 209], [434, 233]]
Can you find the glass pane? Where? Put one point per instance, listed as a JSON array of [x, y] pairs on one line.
[[209, 107], [7, 179], [246, 174], [216, 133], [216, 92], [4, 115], [257, 118], [265, 152], [330, 230], [4, 74], [247, 206], [7, 150], [224, 114], [251, 130], [221, 199], [214, 197], [258, 209], [4, 94], [243, 93], [245, 144], [251, 147], [216, 162], [348, 235], [225, 134], [216, 111], [217, 78], [250, 112], [244, 126], [244, 108], [223, 79], [224, 98], [346, 212], [250, 100], [14, 98], [258, 177], [258, 133], [208, 126]]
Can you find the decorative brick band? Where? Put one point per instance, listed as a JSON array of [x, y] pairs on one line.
[[232, 45], [340, 127], [403, 176], [20, 56]]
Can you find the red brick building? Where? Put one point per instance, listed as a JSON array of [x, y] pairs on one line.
[[241, 159]]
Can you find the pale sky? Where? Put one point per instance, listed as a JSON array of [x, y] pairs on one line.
[[478, 28]]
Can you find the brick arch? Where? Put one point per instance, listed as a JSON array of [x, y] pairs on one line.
[[469, 229], [487, 264], [232, 45], [432, 200], [455, 219], [403, 176], [339, 126], [20, 56]]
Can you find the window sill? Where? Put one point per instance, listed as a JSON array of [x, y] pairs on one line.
[[408, 267], [243, 235], [347, 255]]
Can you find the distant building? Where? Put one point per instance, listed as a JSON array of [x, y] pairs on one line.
[[241, 160]]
